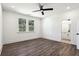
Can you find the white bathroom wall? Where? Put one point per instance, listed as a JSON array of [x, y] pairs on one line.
[[0, 29], [73, 16], [66, 25], [11, 33]]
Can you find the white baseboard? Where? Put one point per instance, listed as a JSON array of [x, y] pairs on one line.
[[57, 40], [20, 40]]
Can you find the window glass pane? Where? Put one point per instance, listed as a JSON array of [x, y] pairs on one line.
[[22, 25], [31, 25]]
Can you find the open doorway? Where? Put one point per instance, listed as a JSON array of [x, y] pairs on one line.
[[66, 31]]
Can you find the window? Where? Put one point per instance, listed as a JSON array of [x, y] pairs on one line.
[[25, 25], [22, 25], [31, 25]]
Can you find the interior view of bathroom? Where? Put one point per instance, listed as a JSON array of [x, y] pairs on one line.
[[66, 31]]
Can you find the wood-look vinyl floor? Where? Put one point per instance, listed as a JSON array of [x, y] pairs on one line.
[[39, 47]]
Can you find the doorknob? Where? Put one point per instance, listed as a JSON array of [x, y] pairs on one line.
[[77, 34]]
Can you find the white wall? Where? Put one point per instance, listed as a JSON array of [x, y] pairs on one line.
[[52, 28], [0, 28], [52, 25], [11, 33]]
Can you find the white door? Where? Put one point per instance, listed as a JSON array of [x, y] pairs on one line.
[[77, 34]]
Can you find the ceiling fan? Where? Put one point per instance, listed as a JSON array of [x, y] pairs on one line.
[[43, 9]]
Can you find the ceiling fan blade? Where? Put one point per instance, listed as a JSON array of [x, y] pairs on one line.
[[36, 10], [40, 6], [47, 9], [42, 13]]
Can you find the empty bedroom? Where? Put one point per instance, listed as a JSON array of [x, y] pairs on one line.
[[39, 29]]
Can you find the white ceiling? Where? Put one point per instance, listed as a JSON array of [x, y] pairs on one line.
[[27, 8]]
